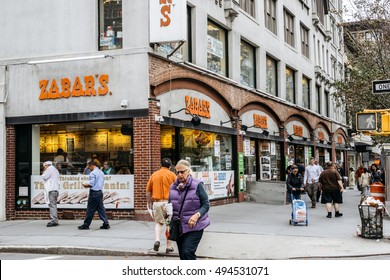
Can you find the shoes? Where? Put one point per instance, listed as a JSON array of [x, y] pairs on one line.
[[313, 206], [52, 224], [338, 214], [329, 215], [105, 226], [156, 246], [83, 227], [169, 250]]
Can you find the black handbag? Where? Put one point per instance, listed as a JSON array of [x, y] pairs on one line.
[[175, 226]]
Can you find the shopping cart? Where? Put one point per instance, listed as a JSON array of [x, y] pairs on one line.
[[299, 210]]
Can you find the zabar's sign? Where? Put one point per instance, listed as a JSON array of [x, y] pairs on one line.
[[297, 130], [260, 121], [321, 135], [91, 85], [197, 106]]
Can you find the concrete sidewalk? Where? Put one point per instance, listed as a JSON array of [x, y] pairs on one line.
[[238, 231]]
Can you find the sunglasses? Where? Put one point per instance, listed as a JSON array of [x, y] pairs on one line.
[[181, 171]]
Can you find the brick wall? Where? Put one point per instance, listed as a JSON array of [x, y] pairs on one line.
[[10, 173]]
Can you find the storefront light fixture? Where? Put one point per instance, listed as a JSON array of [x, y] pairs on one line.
[[245, 128], [290, 138], [33, 62], [228, 121], [195, 119]]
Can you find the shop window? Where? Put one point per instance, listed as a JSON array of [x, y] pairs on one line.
[[78, 142], [184, 52], [270, 160], [247, 63], [249, 159], [216, 49], [290, 85], [209, 153], [110, 24], [305, 92], [272, 75]]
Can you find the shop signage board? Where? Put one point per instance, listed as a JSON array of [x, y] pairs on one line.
[[168, 21], [118, 192]]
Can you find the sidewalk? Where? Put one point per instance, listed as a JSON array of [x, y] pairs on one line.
[[238, 231]]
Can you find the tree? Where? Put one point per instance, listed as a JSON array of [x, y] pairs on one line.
[[367, 49]]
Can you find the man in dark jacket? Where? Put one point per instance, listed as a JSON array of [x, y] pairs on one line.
[[332, 189]]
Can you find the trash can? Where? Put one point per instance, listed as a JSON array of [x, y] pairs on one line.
[[372, 221]]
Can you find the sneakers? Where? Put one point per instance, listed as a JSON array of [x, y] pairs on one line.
[[329, 215], [169, 250], [156, 246], [52, 224], [105, 226], [338, 214], [82, 227]]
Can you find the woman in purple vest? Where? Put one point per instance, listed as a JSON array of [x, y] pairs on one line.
[[194, 218]]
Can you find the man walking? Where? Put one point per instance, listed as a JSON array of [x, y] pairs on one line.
[[95, 198], [310, 181], [51, 178], [332, 189], [157, 193]]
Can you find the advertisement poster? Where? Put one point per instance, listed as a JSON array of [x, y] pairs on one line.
[[118, 192], [217, 183], [265, 161]]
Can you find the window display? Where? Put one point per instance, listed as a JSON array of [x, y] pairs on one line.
[[209, 153]]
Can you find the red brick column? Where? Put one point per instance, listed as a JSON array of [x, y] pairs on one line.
[[147, 156], [10, 173]]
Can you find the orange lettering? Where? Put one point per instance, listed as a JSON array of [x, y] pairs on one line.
[[103, 80], [166, 21], [43, 85], [89, 86], [65, 84], [77, 89], [53, 92]]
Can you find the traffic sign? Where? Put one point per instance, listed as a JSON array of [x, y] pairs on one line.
[[381, 87], [366, 122]]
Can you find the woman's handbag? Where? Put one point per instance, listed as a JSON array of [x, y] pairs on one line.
[[175, 225], [175, 230]]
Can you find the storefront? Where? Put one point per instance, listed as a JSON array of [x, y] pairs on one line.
[[323, 145], [58, 109], [192, 131], [299, 147], [262, 146]]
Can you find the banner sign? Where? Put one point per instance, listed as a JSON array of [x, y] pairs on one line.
[[118, 192], [168, 21], [218, 184]]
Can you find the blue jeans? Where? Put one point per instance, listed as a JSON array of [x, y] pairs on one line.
[[95, 203], [188, 243]]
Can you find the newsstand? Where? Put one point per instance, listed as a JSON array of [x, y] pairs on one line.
[[372, 221]]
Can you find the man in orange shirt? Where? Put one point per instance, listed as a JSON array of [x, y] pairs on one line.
[[157, 193]]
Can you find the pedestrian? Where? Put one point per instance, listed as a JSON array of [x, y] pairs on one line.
[[51, 178], [95, 197], [332, 189], [351, 178], [359, 173], [375, 174], [294, 183], [316, 162], [365, 182], [157, 194], [310, 181], [188, 196], [301, 167]]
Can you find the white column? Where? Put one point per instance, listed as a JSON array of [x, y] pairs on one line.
[[2, 143]]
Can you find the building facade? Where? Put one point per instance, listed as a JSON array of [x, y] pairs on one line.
[[246, 93]]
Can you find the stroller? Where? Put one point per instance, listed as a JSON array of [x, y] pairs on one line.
[[299, 211]]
